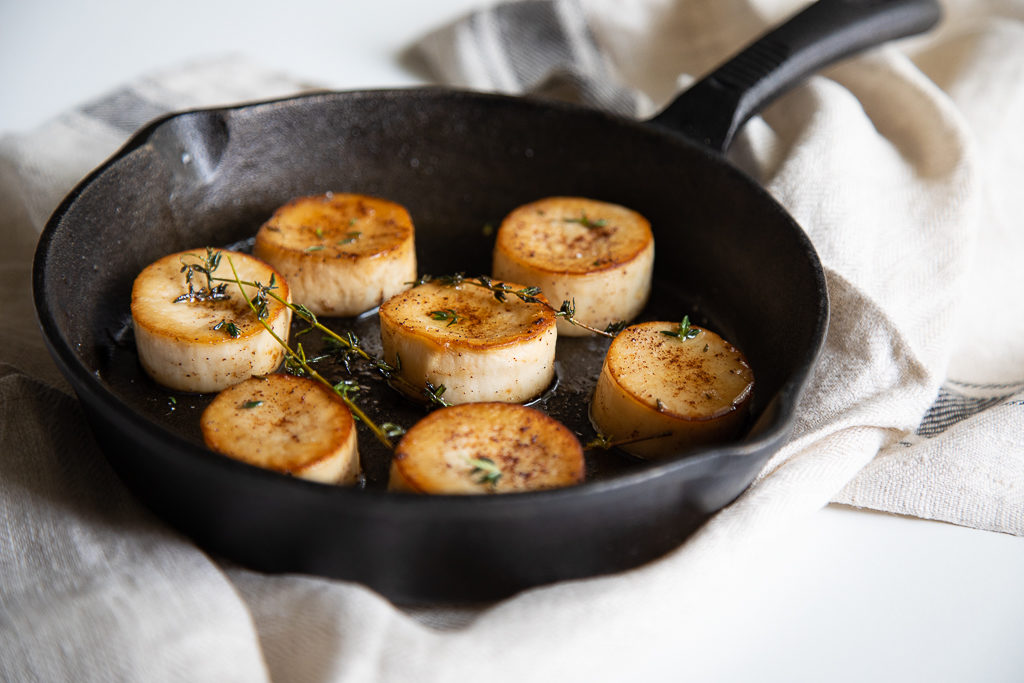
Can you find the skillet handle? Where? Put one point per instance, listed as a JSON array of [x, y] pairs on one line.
[[713, 109]]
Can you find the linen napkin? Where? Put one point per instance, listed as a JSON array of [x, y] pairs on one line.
[[900, 164]]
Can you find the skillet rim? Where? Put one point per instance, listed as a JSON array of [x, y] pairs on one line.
[[770, 437]]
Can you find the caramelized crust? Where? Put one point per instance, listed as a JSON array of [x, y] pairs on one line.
[[342, 253], [599, 256], [526, 450], [287, 424], [479, 348], [573, 235], [696, 390], [186, 345], [482, 322]]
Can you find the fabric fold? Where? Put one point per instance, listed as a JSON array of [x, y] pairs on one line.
[[903, 167], [90, 574]]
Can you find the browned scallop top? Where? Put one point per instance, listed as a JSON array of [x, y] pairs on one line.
[[573, 235], [154, 293], [699, 378], [529, 450], [279, 422], [336, 225], [466, 316]]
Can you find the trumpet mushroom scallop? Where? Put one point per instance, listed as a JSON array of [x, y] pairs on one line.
[[200, 336], [666, 387], [342, 254], [463, 338], [597, 256], [287, 424], [482, 448]]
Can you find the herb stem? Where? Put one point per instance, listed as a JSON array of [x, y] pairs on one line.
[[301, 360], [349, 345], [606, 442], [567, 311]]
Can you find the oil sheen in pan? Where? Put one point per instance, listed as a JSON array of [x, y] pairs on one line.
[[577, 365]]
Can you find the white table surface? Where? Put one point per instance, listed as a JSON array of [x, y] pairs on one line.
[[845, 595]]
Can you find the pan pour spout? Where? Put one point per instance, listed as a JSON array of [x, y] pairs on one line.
[[712, 110]]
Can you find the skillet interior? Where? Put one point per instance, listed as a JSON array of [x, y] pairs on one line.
[[726, 254]]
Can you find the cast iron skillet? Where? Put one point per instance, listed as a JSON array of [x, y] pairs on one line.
[[727, 255]]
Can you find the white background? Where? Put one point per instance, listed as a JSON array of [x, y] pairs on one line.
[[844, 596]]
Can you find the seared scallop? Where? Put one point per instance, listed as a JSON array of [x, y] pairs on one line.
[[665, 387], [287, 424], [595, 255], [342, 254], [463, 338], [484, 448], [201, 335]]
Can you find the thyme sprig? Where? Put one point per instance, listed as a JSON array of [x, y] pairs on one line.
[[530, 295], [228, 326], [433, 394], [296, 358], [205, 268], [347, 348], [344, 348], [684, 331]]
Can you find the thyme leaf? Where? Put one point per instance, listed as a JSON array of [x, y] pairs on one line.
[[486, 470], [447, 314], [344, 351], [587, 222], [229, 327], [260, 303], [346, 387], [567, 310], [205, 267], [452, 280], [614, 328], [295, 362], [602, 441], [304, 313], [684, 331], [392, 429], [529, 295], [434, 394]]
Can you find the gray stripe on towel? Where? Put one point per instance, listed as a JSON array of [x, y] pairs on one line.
[[124, 110]]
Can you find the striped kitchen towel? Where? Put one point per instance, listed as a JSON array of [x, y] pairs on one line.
[[956, 451]]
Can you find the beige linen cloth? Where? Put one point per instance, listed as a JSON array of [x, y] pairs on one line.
[[904, 166]]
